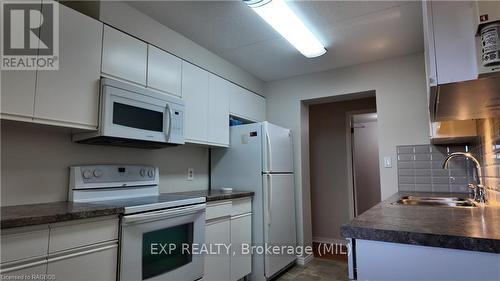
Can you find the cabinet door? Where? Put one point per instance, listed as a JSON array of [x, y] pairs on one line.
[[124, 56], [97, 264], [454, 40], [164, 71], [247, 105], [195, 95], [218, 110], [217, 267], [241, 229], [430, 54], [70, 96], [18, 94]]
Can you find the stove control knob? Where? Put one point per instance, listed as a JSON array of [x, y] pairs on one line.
[[142, 172], [87, 174], [98, 173], [151, 173]]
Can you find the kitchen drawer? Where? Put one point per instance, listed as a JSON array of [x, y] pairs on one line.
[[79, 233], [241, 206], [218, 209], [24, 242]]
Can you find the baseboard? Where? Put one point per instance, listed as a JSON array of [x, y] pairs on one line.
[[326, 240], [303, 260]]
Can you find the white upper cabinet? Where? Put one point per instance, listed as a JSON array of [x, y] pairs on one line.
[[429, 48], [450, 24], [195, 95], [247, 105], [70, 96], [164, 71], [218, 110], [18, 94], [207, 106], [124, 56]]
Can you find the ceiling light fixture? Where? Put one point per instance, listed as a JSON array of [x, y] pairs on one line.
[[277, 14]]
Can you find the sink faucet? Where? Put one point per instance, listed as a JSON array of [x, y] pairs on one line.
[[478, 189]]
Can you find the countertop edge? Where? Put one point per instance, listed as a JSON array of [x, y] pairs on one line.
[[422, 239], [56, 218]]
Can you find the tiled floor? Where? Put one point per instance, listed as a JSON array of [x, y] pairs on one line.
[[317, 270]]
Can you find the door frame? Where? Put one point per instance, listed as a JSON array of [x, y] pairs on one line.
[[351, 187]]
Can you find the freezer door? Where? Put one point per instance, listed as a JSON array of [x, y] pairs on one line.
[[277, 154], [279, 219]]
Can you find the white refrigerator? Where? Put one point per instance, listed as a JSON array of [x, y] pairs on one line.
[[260, 159]]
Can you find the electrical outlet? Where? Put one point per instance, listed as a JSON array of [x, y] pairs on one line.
[[190, 175]]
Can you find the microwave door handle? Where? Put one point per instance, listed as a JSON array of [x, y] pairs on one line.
[[168, 119]]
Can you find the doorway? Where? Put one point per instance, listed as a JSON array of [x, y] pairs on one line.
[[364, 160], [331, 164]]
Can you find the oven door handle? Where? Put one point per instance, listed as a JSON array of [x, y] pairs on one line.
[[163, 214]]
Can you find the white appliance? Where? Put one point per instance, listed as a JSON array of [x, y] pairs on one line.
[[135, 116], [150, 219], [260, 159]]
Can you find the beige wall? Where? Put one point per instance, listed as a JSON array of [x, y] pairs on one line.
[[130, 20], [35, 161], [330, 206], [399, 84]]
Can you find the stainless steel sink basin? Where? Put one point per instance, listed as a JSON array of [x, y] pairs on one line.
[[437, 201]]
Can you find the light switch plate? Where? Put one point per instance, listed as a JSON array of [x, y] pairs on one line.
[[388, 162]]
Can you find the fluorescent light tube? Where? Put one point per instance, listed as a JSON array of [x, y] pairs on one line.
[[277, 14]]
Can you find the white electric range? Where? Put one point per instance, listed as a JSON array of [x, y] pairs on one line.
[[155, 228]]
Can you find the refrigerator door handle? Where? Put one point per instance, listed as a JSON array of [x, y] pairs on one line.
[[269, 198], [269, 154]]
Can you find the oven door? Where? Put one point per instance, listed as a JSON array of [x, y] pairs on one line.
[[131, 115], [157, 245]]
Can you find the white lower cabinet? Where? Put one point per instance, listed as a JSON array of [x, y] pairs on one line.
[[241, 235], [217, 266], [85, 249], [93, 264], [229, 223]]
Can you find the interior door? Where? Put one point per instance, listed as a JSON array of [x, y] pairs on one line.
[[366, 167], [279, 219], [278, 149]]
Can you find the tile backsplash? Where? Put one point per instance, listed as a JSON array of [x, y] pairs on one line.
[[419, 166], [487, 147], [420, 169]]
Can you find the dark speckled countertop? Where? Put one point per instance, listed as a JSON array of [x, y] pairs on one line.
[[217, 194], [474, 229], [33, 214]]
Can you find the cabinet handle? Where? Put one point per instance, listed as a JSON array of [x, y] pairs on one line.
[[20, 265], [112, 245]]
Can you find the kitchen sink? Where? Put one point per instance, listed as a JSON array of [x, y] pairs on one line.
[[436, 201]]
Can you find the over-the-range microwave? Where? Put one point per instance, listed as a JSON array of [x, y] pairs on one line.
[[137, 117]]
